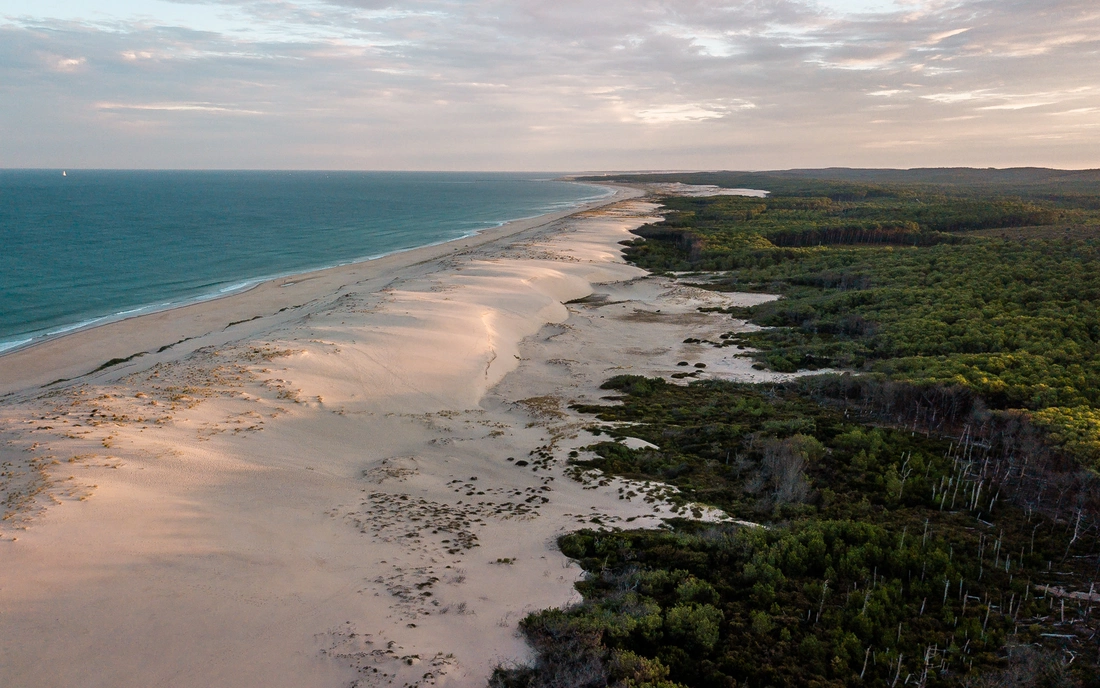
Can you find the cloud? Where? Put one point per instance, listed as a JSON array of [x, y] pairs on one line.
[[687, 112], [68, 64], [944, 35], [509, 84], [1013, 101], [177, 107], [963, 97]]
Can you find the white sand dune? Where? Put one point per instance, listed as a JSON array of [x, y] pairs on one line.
[[362, 486]]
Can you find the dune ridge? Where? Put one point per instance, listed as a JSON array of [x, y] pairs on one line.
[[362, 488]]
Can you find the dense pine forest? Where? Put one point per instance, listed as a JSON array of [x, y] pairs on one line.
[[928, 505]]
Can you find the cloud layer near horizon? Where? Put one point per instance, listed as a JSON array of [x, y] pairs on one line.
[[568, 85]]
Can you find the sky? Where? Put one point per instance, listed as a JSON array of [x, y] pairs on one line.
[[561, 85]]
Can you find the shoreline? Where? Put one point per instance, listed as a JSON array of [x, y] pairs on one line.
[[238, 284], [364, 489], [31, 377], [245, 285]]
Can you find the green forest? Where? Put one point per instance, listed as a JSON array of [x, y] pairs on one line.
[[897, 284], [927, 505]]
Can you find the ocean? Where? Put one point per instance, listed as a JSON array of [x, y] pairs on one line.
[[86, 247]]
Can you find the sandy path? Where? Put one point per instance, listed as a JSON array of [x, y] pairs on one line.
[[361, 490]]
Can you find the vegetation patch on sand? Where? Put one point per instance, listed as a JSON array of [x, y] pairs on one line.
[[930, 517], [886, 555]]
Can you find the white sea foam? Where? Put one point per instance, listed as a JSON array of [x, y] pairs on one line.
[[76, 326], [239, 286], [132, 311], [8, 346]]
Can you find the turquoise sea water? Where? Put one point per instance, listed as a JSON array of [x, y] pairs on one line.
[[91, 246]]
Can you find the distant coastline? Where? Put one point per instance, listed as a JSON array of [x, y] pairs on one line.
[[82, 350], [448, 231]]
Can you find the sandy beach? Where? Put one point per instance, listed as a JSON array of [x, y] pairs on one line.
[[348, 477]]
